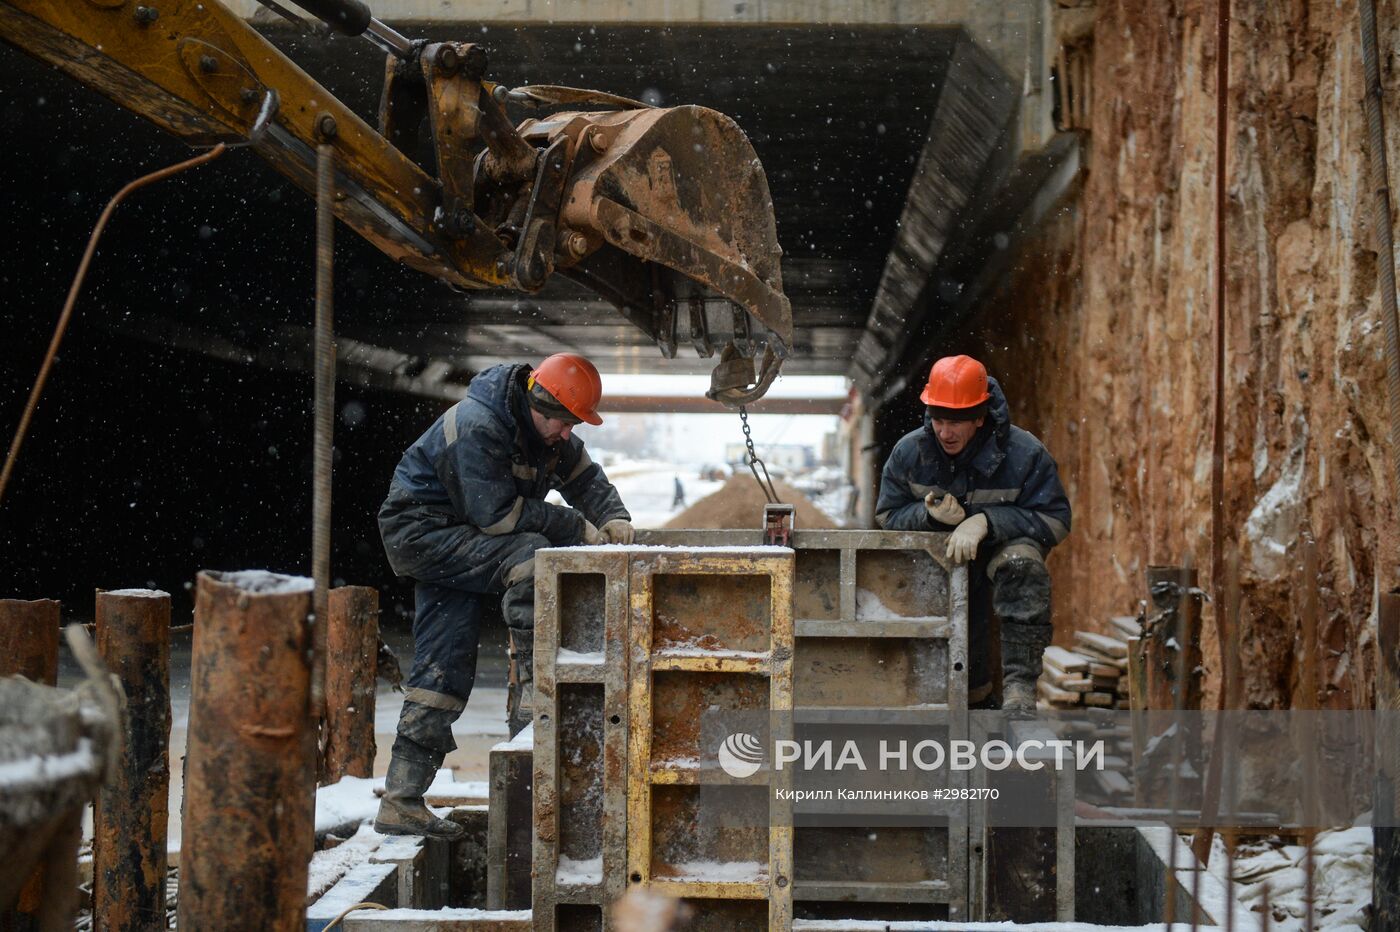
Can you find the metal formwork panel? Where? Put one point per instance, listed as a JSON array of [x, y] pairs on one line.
[[580, 814], [709, 629], [874, 620], [880, 622]]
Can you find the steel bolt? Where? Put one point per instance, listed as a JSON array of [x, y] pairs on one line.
[[248, 95], [325, 125], [463, 221], [597, 140], [575, 243], [208, 64], [145, 15], [447, 58], [782, 881]]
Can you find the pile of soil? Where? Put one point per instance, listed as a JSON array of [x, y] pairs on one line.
[[739, 504]]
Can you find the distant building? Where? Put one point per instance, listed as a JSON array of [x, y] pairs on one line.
[[789, 456]]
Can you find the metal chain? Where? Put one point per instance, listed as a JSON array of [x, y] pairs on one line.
[[754, 463]]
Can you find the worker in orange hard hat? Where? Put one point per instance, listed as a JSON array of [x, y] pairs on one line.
[[465, 514], [996, 490]]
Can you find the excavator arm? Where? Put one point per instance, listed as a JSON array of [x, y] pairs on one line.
[[652, 208]]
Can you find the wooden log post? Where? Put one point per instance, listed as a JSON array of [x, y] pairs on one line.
[[352, 646], [247, 830], [131, 817], [29, 648]]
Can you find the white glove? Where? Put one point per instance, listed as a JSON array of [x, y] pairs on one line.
[[618, 531], [591, 537], [962, 543], [945, 510]]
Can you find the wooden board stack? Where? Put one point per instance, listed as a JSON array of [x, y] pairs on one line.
[[1094, 673]]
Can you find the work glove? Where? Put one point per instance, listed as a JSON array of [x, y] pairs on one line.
[[591, 537], [962, 543], [945, 510], [618, 531]]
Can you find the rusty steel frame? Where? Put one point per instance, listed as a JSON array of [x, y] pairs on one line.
[[352, 651], [643, 772], [132, 809], [618, 616], [852, 549], [551, 615], [249, 764]]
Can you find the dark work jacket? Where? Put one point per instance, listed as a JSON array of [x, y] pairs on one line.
[[482, 466], [1005, 473]]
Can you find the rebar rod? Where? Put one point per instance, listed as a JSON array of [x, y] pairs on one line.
[[324, 423]]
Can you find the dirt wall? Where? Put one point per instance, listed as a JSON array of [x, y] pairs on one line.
[[1104, 333]]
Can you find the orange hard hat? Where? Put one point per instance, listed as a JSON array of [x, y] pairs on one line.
[[574, 382], [956, 383]]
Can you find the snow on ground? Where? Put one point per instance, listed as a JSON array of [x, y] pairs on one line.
[[1342, 861]]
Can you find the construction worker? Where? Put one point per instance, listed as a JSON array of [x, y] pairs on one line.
[[463, 519], [971, 472]]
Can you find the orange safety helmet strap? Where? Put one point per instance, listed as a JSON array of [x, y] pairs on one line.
[[573, 382], [956, 383]]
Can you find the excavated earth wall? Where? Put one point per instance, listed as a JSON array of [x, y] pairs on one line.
[[1104, 332]]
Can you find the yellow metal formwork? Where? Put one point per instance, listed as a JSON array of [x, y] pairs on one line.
[[710, 651]]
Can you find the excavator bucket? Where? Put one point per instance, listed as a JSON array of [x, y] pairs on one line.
[[682, 188]]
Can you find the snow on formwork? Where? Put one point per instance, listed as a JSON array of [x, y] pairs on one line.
[[524, 741], [327, 867], [139, 593]]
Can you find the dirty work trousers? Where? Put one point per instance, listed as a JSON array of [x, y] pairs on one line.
[[1014, 582], [447, 628]]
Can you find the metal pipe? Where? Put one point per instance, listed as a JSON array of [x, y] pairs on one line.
[[354, 18], [73, 290], [352, 645], [1380, 219], [247, 821], [131, 814], [324, 426], [1385, 881], [1386, 876]]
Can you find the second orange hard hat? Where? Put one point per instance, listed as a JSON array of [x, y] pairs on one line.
[[956, 383]]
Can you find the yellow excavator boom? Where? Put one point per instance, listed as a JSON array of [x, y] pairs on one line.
[[649, 207]]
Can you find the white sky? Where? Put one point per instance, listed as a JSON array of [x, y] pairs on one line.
[[701, 438]]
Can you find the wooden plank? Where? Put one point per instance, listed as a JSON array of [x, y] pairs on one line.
[[1108, 646], [1101, 700], [1098, 668], [1054, 694], [1065, 660], [1125, 626]]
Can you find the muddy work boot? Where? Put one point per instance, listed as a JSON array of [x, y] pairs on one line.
[[1021, 597], [520, 690], [402, 810]]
